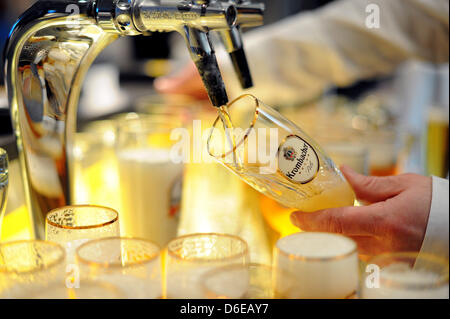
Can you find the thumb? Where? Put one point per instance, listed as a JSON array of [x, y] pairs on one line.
[[372, 188]]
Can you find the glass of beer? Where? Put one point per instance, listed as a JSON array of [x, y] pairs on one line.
[[277, 158], [150, 178], [72, 226], [3, 184], [190, 257], [132, 265], [239, 282], [406, 275], [437, 142], [314, 265], [27, 266], [383, 146]]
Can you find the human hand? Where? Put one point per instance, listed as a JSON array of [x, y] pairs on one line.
[[186, 82], [395, 219]]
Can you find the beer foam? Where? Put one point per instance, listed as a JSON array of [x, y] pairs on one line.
[[316, 245], [151, 186]]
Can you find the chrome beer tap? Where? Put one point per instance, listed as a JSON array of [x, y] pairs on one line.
[[232, 40], [53, 44]]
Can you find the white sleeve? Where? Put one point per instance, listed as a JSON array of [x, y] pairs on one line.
[[436, 240], [298, 57]]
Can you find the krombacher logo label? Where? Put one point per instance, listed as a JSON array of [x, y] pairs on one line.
[[297, 160]]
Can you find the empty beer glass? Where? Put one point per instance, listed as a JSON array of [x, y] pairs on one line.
[[30, 266], [277, 158], [190, 257], [132, 265], [407, 275], [72, 226]]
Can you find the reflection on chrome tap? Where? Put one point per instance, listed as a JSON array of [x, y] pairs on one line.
[[50, 50]]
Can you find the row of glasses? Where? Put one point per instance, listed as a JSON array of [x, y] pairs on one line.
[[88, 259], [307, 266], [326, 266]]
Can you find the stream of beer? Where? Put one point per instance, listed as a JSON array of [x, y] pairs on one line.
[[228, 127]]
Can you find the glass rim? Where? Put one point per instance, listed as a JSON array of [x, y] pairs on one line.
[[443, 278], [116, 265], [243, 253], [248, 130], [52, 264], [297, 257], [57, 210]]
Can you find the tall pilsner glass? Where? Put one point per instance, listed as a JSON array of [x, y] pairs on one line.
[[190, 257], [150, 180]]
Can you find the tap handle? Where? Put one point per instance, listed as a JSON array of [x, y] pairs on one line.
[[232, 38], [232, 41], [204, 57]]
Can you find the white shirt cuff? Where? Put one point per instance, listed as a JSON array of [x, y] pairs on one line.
[[436, 240]]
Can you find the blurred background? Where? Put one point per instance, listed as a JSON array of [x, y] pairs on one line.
[[363, 125]]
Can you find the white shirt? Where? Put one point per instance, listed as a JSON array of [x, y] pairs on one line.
[[436, 240], [301, 56]]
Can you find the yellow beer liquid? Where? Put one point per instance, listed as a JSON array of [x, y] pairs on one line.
[[326, 190], [437, 144], [278, 216]]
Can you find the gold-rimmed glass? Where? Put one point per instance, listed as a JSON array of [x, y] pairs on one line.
[[72, 226], [312, 265], [406, 275], [30, 265], [277, 158], [190, 257], [3, 184], [132, 265], [253, 281]]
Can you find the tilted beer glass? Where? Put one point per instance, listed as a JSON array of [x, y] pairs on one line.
[[277, 158]]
